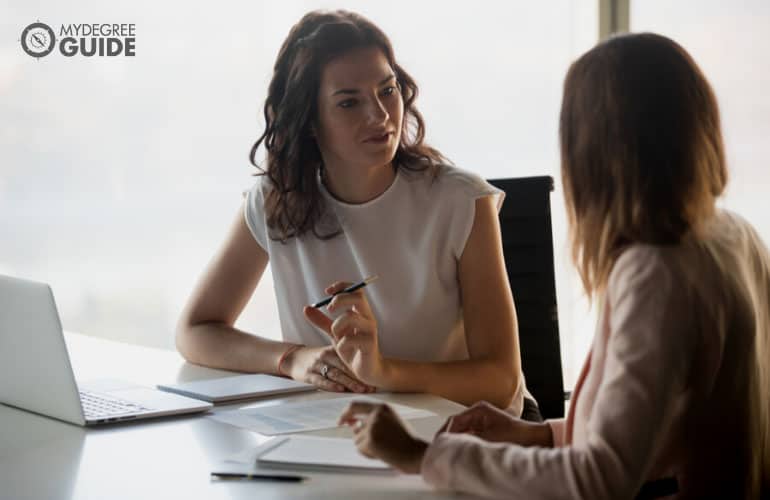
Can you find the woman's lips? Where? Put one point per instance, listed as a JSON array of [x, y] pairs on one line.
[[379, 139]]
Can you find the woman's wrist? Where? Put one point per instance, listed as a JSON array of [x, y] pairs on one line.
[[386, 376], [286, 360], [542, 435], [398, 375], [414, 465]]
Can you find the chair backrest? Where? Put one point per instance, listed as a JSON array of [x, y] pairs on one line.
[[525, 223]]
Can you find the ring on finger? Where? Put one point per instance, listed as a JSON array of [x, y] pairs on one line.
[[325, 371], [359, 423]]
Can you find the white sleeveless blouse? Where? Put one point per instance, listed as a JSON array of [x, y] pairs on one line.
[[412, 236]]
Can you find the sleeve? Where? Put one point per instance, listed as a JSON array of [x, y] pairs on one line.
[[254, 212], [557, 431], [464, 189], [648, 357]]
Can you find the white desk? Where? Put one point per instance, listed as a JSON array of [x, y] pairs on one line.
[[43, 458]]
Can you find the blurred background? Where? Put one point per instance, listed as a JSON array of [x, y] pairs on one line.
[[120, 176]]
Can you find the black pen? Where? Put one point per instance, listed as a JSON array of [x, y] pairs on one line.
[[351, 288], [258, 477]]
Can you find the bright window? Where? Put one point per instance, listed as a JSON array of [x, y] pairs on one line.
[[730, 43], [119, 177]]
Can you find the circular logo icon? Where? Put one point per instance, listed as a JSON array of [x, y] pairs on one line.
[[38, 39]]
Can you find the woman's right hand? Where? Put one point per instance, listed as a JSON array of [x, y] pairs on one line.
[[306, 365], [492, 424]]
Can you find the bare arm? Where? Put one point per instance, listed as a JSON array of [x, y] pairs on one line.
[[491, 328], [205, 333]]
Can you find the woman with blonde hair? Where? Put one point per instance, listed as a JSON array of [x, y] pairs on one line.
[[674, 396]]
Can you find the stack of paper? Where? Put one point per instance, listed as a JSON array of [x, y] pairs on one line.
[[317, 453]]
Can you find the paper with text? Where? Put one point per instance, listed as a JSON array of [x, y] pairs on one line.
[[302, 416]]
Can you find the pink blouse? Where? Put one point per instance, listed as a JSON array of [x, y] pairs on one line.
[[675, 384]]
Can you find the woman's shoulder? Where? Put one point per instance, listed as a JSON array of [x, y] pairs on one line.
[[640, 264], [257, 192], [451, 182], [729, 225], [260, 183], [700, 261], [457, 178]]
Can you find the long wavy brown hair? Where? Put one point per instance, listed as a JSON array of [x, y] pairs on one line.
[[294, 204], [642, 158]]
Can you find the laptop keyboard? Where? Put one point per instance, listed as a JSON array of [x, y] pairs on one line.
[[101, 406]]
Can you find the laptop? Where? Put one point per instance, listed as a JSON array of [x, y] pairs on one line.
[[36, 375]]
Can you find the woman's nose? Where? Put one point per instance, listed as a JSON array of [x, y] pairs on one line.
[[377, 112]]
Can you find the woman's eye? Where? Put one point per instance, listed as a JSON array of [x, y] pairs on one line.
[[389, 91], [347, 103]]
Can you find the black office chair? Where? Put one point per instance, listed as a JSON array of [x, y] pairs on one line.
[[525, 223]]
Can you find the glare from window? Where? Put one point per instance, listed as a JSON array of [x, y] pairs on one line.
[[120, 177], [730, 43]]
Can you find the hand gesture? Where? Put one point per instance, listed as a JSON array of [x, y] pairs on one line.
[[322, 367], [380, 433], [353, 333], [492, 424]]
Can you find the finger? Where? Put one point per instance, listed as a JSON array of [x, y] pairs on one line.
[[351, 300], [460, 422], [337, 375], [337, 286], [319, 320], [364, 445], [359, 428], [340, 372], [325, 384], [351, 323], [356, 410], [351, 349], [444, 427], [350, 342], [331, 357]]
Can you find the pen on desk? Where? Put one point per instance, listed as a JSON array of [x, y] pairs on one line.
[[351, 288], [258, 477]]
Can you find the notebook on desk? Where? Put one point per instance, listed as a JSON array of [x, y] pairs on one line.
[[237, 387], [317, 453]]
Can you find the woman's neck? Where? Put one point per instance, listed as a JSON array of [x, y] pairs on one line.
[[356, 186]]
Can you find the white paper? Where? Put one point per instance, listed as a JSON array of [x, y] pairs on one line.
[[302, 452], [318, 453], [302, 416]]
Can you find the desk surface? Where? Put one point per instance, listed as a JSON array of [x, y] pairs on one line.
[[43, 458]]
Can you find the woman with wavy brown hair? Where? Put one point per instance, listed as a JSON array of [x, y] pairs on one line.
[[674, 398], [349, 189]]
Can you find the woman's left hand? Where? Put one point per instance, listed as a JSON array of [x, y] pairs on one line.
[[354, 333], [380, 433]]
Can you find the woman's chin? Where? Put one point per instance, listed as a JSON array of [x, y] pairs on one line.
[[380, 158]]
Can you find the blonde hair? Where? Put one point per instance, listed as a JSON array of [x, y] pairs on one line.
[[642, 159]]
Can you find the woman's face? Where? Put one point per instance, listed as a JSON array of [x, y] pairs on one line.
[[360, 111]]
